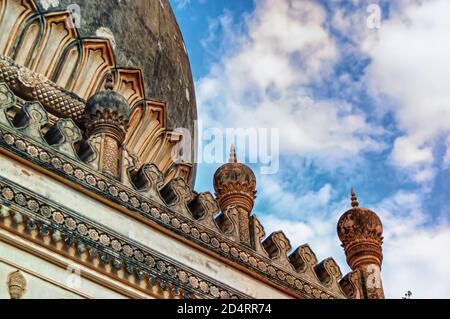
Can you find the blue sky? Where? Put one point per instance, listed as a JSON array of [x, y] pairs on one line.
[[356, 107]]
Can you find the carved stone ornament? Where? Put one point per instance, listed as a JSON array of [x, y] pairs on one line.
[[7, 101], [235, 185], [277, 246], [360, 231], [17, 285]]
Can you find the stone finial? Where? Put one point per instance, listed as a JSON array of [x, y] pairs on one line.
[[17, 285], [278, 246], [360, 231], [235, 186], [354, 199], [233, 158], [107, 115]]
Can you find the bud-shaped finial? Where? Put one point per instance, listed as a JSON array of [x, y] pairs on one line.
[[355, 202], [233, 158]]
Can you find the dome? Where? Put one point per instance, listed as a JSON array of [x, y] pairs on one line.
[[146, 35]]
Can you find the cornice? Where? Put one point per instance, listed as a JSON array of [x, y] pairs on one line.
[[61, 224], [114, 193]]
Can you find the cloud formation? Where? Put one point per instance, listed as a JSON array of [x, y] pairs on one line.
[[264, 79], [410, 68], [270, 72]]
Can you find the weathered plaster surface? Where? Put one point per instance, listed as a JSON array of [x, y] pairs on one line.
[[46, 280], [134, 229]]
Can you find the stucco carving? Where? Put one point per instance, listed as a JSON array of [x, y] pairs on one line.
[[17, 285]]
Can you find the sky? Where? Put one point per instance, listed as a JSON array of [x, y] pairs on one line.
[[360, 95]]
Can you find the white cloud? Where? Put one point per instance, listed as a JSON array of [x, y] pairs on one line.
[[273, 189], [181, 4], [263, 81], [410, 67], [416, 255]]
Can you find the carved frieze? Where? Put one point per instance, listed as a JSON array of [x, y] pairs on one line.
[[94, 241], [351, 285], [184, 224], [228, 222], [149, 180], [304, 261], [204, 209]]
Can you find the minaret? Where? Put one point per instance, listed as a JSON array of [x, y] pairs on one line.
[[106, 120], [235, 185], [360, 231]]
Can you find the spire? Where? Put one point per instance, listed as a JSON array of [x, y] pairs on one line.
[[233, 158], [354, 199], [109, 83], [361, 233]]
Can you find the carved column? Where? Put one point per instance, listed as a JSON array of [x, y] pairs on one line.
[[235, 185], [106, 120], [360, 231]]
